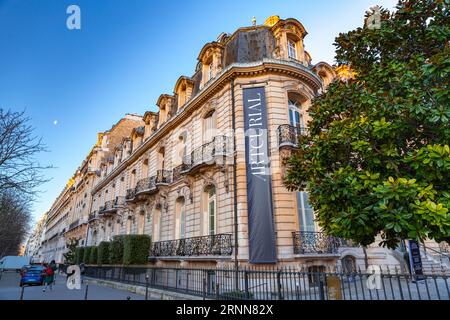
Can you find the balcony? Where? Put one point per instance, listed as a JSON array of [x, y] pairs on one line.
[[207, 154], [131, 194], [215, 245], [146, 185], [288, 136], [92, 216], [314, 243], [111, 206], [163, 177], [74, 224]]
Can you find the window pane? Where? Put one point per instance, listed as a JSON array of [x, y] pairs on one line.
[[212, 217], [305, 212]]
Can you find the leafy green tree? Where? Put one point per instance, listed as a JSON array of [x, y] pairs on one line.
[[70, 255], [376, 159]]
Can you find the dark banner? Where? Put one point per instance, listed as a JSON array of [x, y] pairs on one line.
[[415, 260], [261, 227]]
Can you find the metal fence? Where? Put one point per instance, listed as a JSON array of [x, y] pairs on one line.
[[312, 283]]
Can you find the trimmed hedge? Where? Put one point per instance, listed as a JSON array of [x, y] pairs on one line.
[[93, 256], [103, 253], [136, 249], [79, 255], [87, 254], [116, 250]]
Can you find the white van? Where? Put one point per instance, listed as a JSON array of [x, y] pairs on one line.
[[13, 263]]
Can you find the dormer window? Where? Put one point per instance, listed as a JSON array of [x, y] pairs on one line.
[[210, 71], [292, 49]]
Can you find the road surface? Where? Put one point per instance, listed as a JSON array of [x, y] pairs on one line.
[[10, 290]]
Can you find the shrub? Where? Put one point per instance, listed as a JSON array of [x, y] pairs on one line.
[[103, 253], [79, 255], [116, 250], [86, 254], [93, 256], [136, 249]]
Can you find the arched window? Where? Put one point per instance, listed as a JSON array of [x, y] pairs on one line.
[[182, 148], [295, 114], [180, 218], [209, 126], [210, 213]]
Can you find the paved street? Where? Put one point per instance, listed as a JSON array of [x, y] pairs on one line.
[[10, 290]]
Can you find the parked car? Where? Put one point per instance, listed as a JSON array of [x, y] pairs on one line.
[[32, 275], [13, 263]]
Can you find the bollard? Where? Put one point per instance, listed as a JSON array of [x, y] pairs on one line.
[[217, 292], [86, 292], [21, 292], [146, 287], [321, 287]]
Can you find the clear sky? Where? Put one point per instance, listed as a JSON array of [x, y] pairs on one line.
[[126, 54]]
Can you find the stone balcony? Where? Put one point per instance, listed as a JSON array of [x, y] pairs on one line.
[[214, 245]]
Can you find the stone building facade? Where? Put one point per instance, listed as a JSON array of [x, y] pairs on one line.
[[179, 174]]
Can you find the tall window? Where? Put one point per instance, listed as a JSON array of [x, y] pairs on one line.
[[161, 156], [145, 169], [156, 236], [210, 71], [128, 226], [141, 223], [180, 222], [305, 212], [212, 211], [209, 126], [182, 150], [292, 49], [295, 115]]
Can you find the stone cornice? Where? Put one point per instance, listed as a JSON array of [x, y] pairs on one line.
[[290, 68]]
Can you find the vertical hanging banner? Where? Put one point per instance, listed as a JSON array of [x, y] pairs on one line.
[[261, 229]]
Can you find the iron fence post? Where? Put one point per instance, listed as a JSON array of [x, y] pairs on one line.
[[217, 292], [321, 286], [86, 292], [146, 287], [204, 288], [247, 293], [280, 293]]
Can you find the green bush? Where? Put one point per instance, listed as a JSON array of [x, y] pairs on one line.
[[136, 249], [79, 255], [93, 256], [86, 254], [116, 250], [103, 253]]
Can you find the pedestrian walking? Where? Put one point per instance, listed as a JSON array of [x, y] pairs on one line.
[[54, 268], [49, 277]]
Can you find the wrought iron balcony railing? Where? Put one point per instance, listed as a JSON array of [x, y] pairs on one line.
[[92, 216], [207, 153], [314, 243], [145, 185], [177, 173], [131, 194], [163, 177], [215, 245], [74, 224], [119, 202], [288, 135]]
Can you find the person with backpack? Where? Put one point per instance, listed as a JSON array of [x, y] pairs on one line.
[[49, 277]]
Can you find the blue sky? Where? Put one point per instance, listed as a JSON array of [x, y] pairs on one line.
[[126, 54]]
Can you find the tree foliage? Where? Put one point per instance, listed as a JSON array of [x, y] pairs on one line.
[[376, 159], [70, 255]]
